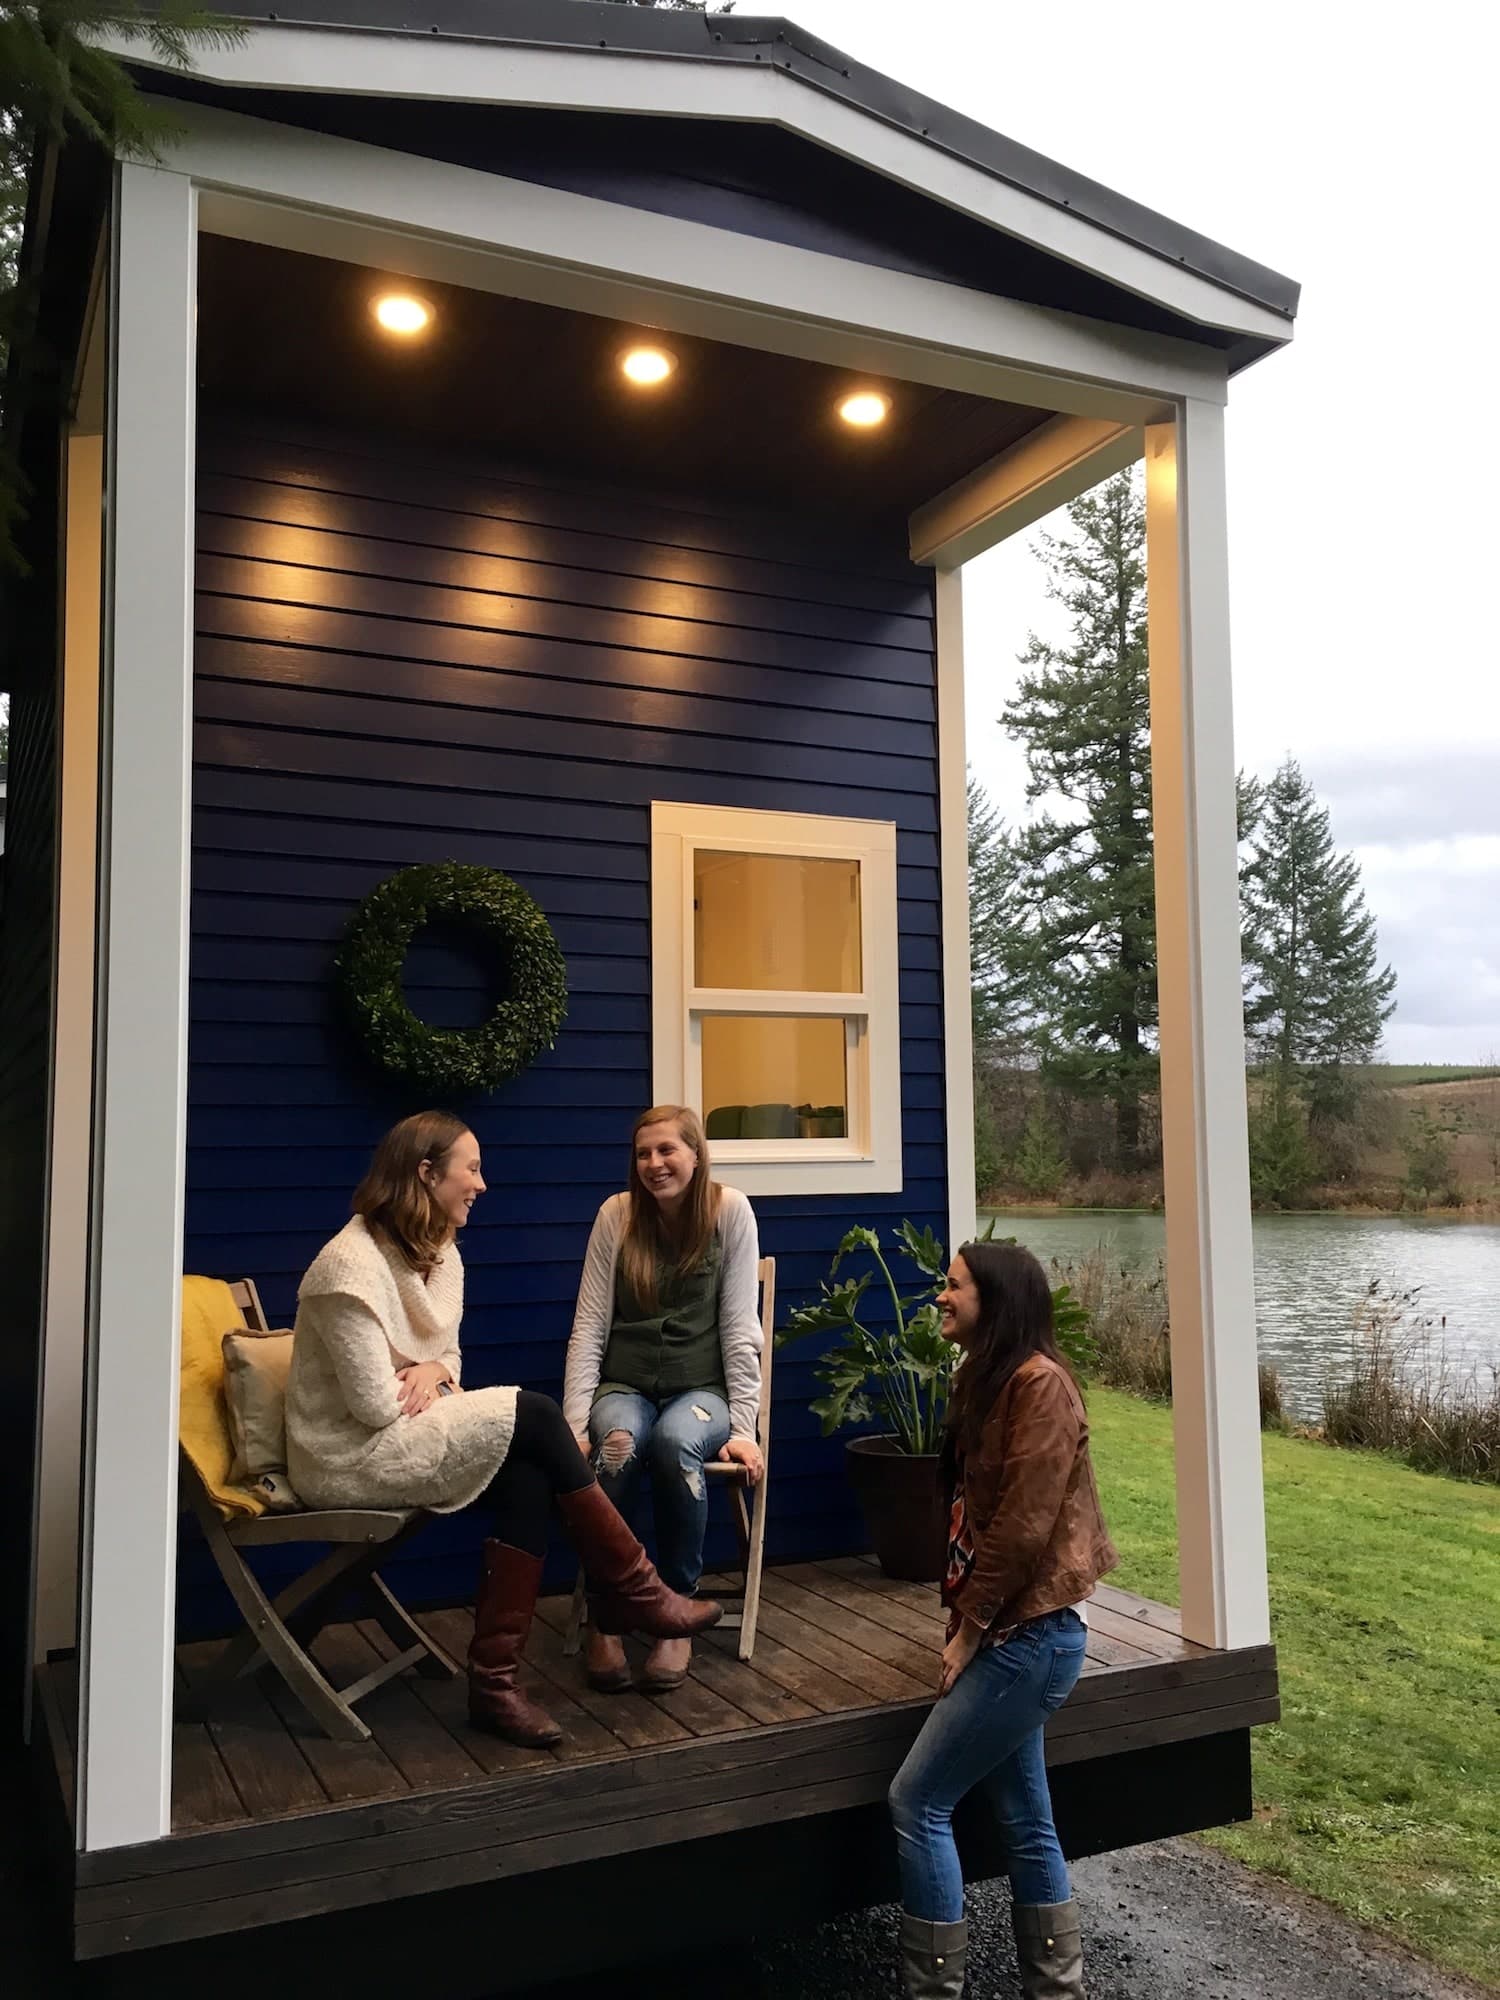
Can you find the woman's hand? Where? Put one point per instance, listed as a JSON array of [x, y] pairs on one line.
[[746, 1452], [419, 1386], [957, 1654], [585, 1444]]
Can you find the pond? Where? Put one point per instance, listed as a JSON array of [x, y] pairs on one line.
[[1310, 1271]]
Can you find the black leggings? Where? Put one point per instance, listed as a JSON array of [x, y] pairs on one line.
[[543, 1461]]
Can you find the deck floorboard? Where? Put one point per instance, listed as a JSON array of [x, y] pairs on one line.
[[272, 1820]]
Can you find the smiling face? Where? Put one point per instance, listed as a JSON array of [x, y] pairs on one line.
[[455, 1183], [665, 1163], [958, 1303]]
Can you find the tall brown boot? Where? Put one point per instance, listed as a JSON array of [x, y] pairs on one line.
[[502, 1620], [625, 1592]]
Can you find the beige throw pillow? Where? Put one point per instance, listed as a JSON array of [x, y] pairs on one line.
[[256, 1366]]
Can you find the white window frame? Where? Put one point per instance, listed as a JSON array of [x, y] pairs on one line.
[[868, 1160]]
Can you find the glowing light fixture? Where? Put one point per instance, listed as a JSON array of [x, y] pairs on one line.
[[401, 312], [647, 366], [865, 409]]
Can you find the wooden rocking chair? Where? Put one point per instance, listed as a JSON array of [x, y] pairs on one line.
[[749, 1517], [279, 1632]]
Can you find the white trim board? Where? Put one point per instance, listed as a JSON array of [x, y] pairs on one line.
[[766, 1167], [339, 63], [953, 860], [423, 218], [129, 1580]]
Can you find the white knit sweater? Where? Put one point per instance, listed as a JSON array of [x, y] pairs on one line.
[[739, 1314], [363, 1313]]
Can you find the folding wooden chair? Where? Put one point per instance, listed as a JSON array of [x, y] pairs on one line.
[[749, 1517], [279, 1632]]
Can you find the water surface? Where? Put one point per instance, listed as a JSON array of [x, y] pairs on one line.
[[1310, 1271]]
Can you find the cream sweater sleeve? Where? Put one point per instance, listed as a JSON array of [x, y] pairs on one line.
[[355, 1342], [739, 1311], [593, 1315]]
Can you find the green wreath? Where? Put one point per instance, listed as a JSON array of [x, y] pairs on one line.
[[506, 921]]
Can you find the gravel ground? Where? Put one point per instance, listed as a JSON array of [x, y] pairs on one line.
[[1169, 1922]]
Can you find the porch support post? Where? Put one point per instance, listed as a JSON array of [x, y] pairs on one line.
[[130, 1535], [953, 861], [1210, 1272]]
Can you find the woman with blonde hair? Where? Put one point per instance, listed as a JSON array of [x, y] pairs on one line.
[[663, 1367], [377, 1417]]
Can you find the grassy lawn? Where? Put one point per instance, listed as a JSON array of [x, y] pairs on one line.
[[1380, 1789]]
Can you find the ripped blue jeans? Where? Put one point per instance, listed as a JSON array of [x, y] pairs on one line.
[[672, 1439], [988, 1732]]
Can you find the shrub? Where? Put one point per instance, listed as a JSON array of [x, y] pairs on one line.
[[1130, 1332], [1400, 1395]]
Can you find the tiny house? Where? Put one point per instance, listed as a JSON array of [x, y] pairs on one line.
[[547, 437]]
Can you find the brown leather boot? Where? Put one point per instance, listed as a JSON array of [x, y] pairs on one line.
[[625, 1592], [502, 1620]]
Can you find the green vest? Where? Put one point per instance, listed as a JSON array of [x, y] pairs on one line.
[[675, 1348]]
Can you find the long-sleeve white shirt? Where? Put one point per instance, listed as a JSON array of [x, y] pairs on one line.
[[739, 1311]]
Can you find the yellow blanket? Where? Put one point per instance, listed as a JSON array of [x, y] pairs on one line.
[[208, 1313]]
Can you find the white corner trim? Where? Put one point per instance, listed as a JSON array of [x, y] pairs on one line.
[[953, 861], [1053, 465], [340, 198], [135, 1305], [753, 1166], [444, 68]]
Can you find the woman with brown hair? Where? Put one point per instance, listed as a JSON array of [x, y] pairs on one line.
[[377, 1417], [663, 1365], [1026, 1545]]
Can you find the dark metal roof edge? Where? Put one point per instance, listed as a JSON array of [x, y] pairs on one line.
[[647, 31]]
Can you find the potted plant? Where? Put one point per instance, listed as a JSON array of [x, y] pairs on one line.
[[897, 1374]]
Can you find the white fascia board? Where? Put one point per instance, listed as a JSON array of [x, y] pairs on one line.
[[335, 62], [1059, 460], [425, 218]]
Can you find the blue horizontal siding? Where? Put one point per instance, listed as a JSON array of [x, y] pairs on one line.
[[401, 659]]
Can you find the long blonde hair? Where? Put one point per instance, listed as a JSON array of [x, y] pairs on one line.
[[394, 1199], [648, 1242]]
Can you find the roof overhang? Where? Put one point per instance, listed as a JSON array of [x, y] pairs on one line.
[[629, 60]]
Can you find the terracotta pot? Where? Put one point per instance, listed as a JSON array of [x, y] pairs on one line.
[[902, 1508]]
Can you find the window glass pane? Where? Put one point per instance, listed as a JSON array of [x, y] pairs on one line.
[[774, 1077], [776, 923]]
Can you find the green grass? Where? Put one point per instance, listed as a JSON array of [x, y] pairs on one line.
[[1379, 1790]]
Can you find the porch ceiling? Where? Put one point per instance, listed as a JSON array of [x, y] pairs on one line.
[[286, 333]]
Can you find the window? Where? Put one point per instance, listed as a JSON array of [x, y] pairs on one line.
[[775, 1011]]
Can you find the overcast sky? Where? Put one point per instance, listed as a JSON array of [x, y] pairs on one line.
[[1352, 148]]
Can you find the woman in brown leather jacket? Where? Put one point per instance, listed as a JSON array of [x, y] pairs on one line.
[[1026, 1544]]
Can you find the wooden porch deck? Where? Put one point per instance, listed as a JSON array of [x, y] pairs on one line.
[[273, 1821]]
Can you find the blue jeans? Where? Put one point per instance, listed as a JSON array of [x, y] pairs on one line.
[[673, 1438], [987, 1731]]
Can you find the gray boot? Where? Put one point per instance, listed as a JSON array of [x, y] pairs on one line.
[[1049, 1950], [933, 1957]]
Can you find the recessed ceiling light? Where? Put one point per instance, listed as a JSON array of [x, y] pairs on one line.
[[401, 312], [647, 366], [865, 409]]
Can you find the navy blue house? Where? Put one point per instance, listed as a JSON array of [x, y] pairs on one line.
[[549, 435]]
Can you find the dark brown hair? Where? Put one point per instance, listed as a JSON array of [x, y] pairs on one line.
[[394, 1199], [648, 1241], [1015, 1322]]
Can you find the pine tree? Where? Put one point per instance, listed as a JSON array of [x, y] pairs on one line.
[[1083, 713], [1315, 999], [998, 944]]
